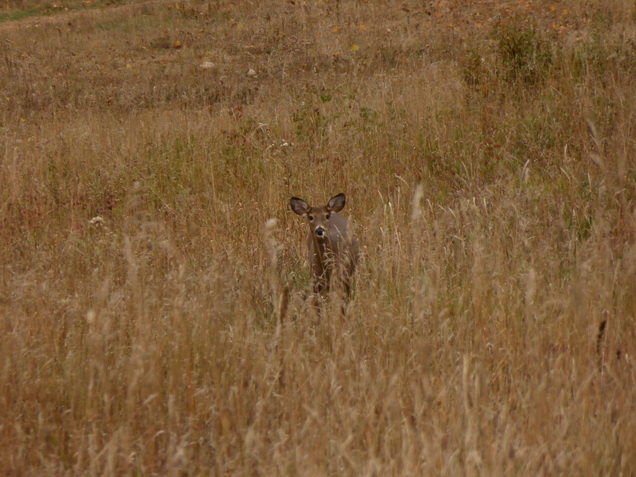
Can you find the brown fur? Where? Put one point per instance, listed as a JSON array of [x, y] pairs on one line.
[[331, 247]]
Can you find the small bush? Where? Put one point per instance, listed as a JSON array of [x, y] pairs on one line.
[[523, 55]]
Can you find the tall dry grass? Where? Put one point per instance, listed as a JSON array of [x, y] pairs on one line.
[[155, 320]]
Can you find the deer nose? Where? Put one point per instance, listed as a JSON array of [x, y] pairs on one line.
[[320, 231]]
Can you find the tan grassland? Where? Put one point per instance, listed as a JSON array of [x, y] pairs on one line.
[[154, 320]]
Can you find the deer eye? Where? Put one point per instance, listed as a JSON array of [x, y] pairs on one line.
[[327, 216], [311, 218]]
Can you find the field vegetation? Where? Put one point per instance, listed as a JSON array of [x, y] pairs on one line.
[[154, 319]]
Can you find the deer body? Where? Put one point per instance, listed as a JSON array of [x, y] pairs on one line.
[[333, 252]]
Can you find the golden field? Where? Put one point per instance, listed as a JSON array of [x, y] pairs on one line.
[[155, 320]]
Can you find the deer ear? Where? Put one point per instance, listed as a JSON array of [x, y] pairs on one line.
[[299, 206], [337, 203]]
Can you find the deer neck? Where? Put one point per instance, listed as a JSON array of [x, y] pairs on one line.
[[323, 250]]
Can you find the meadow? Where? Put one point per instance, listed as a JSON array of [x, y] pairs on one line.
[[154, 316]]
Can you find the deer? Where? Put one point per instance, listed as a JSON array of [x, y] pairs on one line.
[[333, 252]]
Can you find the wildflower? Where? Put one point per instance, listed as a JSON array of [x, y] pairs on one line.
[[97, 221]]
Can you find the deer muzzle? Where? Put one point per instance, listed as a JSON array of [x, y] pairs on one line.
[[320, 232]]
